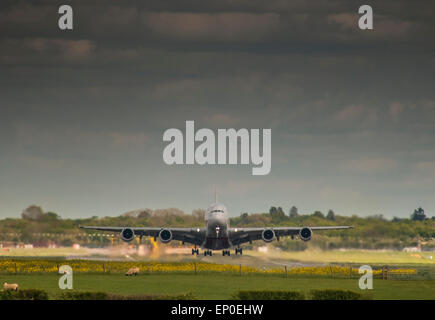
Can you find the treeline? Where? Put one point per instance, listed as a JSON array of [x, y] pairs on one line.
[[368, 232], [374, 232]]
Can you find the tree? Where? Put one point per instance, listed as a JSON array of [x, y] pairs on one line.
[[330, 215], [418, 215], [277, 214], [32, 212], [144, 214], [293, 212], [199, 214], [318, 214], [273, 210], [50, 216]]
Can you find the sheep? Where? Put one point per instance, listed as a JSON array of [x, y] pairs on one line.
[[132, 271], [10, 286]]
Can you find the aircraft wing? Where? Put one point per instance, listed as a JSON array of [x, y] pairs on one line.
[[242, 235], [189, 235]]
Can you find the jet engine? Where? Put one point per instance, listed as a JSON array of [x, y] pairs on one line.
[[305, 234], [268, 235], [127, 234], [165, 235]]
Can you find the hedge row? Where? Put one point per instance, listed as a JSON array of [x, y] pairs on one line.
[[25, 294], [327, 294], [269, 295], [336, 294], [89, 295], [36, 294]]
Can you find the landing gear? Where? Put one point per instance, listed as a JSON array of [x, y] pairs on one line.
[[195, 251], [239, 251], [208, 253], [225, 252]]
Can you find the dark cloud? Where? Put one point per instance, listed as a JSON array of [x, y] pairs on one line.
[[83, 111]]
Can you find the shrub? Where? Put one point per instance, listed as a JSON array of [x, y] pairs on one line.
[[335, 294], [269, 295], [89, 295], [32, 294], [83, 295], [8, 295], [186, 296], [24, 294]]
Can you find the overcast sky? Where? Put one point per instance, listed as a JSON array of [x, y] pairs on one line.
[[83, 112]]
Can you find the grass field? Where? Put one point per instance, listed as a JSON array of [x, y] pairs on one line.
[[219, 286]]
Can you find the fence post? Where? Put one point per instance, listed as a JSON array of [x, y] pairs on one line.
[[240, 270], [286, 272], [350, 272], [383, 272], [195, 267], [330, 269], [104, 268], [16, 268], [386, 273]]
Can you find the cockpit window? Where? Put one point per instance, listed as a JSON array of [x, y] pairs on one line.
[[217, 211]]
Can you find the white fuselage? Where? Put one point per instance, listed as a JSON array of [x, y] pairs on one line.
[[217, 222]]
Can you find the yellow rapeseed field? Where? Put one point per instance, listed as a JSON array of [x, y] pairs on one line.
[[87, 266]]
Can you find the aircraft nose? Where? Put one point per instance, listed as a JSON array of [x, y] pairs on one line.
[[217, 228]]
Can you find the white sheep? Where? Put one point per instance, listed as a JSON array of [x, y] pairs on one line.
[[132, 271], [10, 286]]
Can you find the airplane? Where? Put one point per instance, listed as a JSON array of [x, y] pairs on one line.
[[217, 234]]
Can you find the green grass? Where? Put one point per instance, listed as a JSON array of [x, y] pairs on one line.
[[219, 286]]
